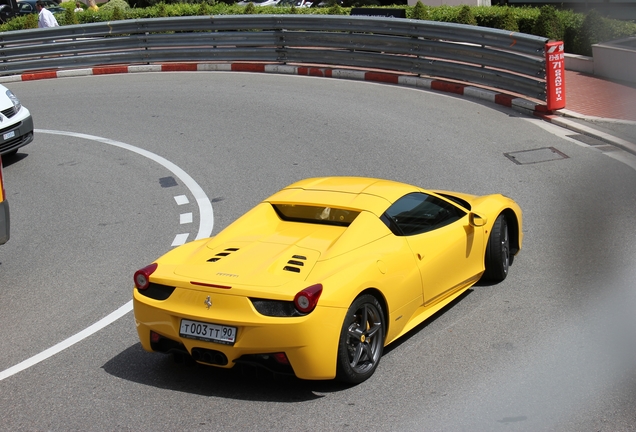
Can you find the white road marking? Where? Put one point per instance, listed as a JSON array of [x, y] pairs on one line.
[[185, 218], [180, 239], [206, 223], [181, 199], [68, 342], [205, 206]]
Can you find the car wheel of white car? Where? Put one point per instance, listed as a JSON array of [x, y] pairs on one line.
[[361, 340]]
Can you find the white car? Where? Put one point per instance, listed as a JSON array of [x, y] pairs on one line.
[[295, 3], [259, 2], [16, 123]]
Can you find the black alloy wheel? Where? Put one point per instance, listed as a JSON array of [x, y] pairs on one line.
[[361, 340], [497, 259]]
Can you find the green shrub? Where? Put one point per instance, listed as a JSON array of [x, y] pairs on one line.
[[69, 17], [68, 5], [420, 11], [31, 21], [577, 31], [596, 29], [161, 9], [122, 5], [486, 16], [548, 24], [17, 23], [250, 9], [118, 15], [526, 20], [572, 23], [466, 16], [444, 13], [204, 9], [336, 9], [506, 20]]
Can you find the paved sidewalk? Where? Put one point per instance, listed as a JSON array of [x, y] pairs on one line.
[[600, 109], [596, 97]]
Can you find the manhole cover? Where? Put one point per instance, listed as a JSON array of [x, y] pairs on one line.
[[535, 156]]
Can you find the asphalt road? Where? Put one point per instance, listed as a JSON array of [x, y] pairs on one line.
[[551, 348]]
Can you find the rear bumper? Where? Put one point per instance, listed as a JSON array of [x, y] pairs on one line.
[[310, 342], [4, 222]]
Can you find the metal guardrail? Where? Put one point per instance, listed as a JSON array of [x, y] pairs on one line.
[[495, 58]]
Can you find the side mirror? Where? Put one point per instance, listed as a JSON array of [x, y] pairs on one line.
[[477, 220]]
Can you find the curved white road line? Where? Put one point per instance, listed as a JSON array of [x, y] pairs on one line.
[[206, 223], [205, 206]]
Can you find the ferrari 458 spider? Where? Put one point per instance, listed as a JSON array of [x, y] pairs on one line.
[[317, 279]]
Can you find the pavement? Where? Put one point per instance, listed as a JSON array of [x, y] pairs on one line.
[[599, 109]]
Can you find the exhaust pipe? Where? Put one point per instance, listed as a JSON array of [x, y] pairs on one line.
[[209, 356], [196, 354]]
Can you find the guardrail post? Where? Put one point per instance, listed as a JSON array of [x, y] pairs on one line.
[[555, 75]]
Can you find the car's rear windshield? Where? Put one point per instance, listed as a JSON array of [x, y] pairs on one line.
[[315, 214]]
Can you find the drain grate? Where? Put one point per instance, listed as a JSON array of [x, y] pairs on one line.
[[588, 139], [166, 182], [544, 154]]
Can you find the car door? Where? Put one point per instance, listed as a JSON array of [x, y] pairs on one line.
[[447, 248]]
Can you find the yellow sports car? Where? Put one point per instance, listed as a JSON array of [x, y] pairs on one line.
[[317, 279]]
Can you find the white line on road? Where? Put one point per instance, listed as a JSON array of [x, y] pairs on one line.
[[180, 239], [68, 342], [185, 218], [206, 223], [181, 199]]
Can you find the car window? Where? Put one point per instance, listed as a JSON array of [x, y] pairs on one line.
[[25, 7], [417, 213], [315, 214]]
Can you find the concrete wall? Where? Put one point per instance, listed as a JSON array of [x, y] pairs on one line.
[[579, 63], [616, 60]]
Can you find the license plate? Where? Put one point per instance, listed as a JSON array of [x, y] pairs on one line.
[[208, 332], [8, 135]]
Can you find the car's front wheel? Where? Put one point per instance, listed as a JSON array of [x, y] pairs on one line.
[[497, 258], [361, 340]]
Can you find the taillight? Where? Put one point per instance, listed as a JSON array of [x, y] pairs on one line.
[[281, 358], [306, 300], [142, 276]]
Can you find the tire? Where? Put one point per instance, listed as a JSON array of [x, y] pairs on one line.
[[498, 257], [361, 340]]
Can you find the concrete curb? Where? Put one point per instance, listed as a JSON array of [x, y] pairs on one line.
[[586, 130], [521, 104], [325, 72]]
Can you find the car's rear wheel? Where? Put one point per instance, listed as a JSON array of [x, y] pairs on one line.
[[361, 340], [497, 258]]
